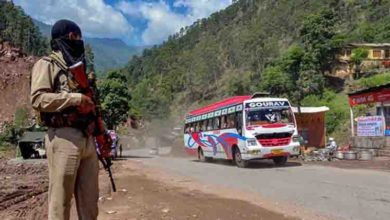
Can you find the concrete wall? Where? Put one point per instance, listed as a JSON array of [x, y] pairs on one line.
[[370, 142]]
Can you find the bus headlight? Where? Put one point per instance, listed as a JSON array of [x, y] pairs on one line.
[[251, 142]]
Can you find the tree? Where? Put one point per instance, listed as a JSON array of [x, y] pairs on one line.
[[115, 99], [357, 57], [319, 39], [19, 29], [276, 81]]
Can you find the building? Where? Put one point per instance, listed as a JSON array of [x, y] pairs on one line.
[[378, 58], [371, 131], [311, 125]]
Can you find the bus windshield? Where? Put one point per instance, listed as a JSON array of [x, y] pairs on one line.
[[269, 116]]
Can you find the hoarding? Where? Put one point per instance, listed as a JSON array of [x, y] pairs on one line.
[[370, 126]]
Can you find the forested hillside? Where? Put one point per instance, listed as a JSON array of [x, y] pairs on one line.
[[284, 47], [19, 29]]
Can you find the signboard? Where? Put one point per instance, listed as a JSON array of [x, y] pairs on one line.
[[369, 97], [370, 126], [267, 104]]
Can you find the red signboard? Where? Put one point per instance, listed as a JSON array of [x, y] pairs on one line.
[[370, 97]]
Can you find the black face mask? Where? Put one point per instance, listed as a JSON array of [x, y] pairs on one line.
[[72, 50]]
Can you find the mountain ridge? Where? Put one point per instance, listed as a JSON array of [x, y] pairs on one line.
[[110, 53]]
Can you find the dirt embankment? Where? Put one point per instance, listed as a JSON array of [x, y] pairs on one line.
[[15, 69]]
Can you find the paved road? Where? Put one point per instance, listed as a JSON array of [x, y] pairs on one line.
[[346, 194]]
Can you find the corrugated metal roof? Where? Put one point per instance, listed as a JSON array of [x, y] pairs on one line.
[[369, 44], [33, 137], [371, 89]]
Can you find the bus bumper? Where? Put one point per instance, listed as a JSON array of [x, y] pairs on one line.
[[269, 152]]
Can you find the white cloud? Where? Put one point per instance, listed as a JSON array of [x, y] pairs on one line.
[[95, 17], [162, 21], [202, 8]]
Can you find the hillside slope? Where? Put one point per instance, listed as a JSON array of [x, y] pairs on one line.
[[14, 82], [109, 53], [226, 54], [20, 44]]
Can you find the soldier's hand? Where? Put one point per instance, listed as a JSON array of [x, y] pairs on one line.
[[104, 142], [86, 105]]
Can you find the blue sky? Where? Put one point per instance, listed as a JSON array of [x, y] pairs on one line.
[[137, 22]]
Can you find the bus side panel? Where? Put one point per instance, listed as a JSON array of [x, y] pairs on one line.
[[215, 144], [191, 147]]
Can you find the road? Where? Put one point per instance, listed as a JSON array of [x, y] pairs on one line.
[[331, 192]]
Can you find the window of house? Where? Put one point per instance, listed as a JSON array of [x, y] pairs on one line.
[[348, 52], [377, 53], [387, 53]]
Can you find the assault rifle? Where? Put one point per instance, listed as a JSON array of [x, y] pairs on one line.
[[88, 84], [107, 163]]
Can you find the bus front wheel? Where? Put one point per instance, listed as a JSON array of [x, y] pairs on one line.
[[238, 159], [280, 161]]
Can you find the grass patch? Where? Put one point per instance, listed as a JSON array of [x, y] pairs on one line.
[[372, 81]]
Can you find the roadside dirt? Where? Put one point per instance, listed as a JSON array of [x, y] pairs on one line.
[[141, 197], [378, 163], [24, 185]]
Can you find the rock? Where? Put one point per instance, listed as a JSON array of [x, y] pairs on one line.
[[166, 210]]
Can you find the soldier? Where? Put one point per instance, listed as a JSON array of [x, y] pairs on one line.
[[70, 115]]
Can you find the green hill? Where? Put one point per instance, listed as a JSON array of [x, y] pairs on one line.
[[283, 46], [109, 53], [19, 29]]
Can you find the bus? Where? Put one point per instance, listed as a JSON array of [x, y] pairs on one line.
[[243, 129]]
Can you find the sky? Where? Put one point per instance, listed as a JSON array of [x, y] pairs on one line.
[[137, 22]]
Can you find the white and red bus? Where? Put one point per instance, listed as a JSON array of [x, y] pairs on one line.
[[243, 128]]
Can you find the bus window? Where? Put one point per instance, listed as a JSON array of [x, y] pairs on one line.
[[191, 128], [197, 126], [231, 121], [239, 119], [203, 126], [224, 124], [217, 121], [239, 122], [210, 124], [187, 128]]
